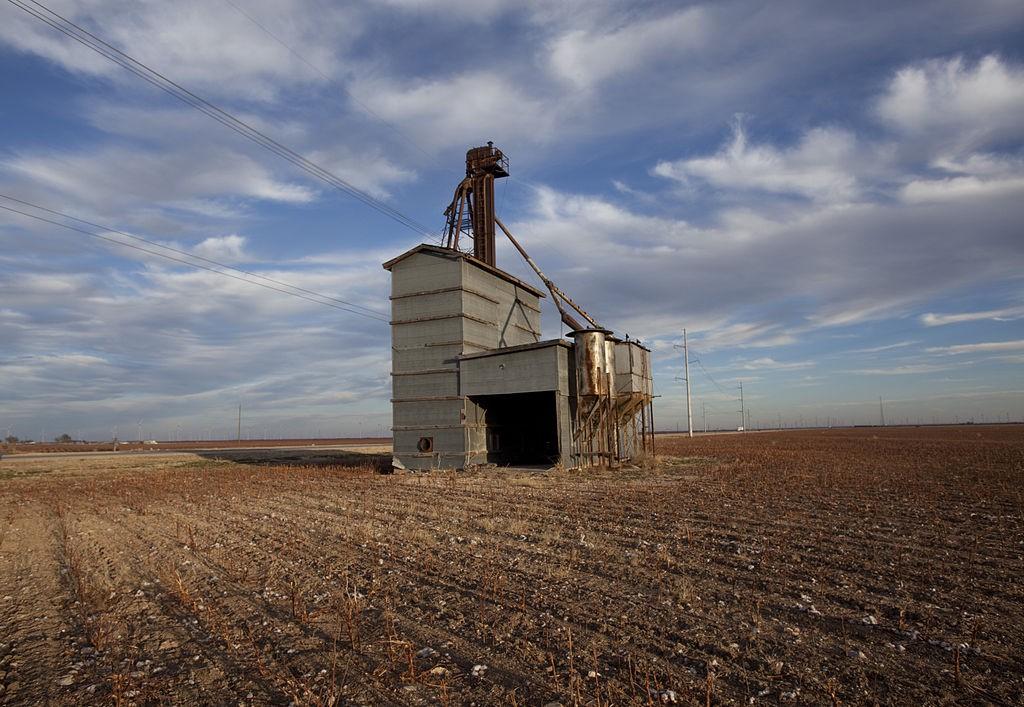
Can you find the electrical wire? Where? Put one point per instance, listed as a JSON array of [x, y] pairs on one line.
[[365, 108], [155, 78], [710, 378], [192, 255], [194, 265]]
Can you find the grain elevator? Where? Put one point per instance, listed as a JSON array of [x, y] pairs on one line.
[[473, 383]]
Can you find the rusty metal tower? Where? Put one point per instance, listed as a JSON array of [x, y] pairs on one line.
[[471, 212]]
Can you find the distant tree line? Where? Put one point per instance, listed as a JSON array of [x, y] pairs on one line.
[[63, 439]]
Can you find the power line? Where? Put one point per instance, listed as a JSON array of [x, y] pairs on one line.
[[710, 378], [191, 255], [191, 264], [155, 78], [365, 108]]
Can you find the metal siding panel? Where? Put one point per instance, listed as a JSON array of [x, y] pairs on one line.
[[428, 413], [482, 333], [481, 280], [517, 372], [565, 360], [424, 271], [427, 385], [632, 369], [419, 333], [518, 329], [422, 358], [429, 305], [479, 307]]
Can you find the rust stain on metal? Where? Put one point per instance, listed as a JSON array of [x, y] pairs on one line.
[[474, 196]]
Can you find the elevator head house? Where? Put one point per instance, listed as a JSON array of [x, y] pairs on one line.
[[472, 381]]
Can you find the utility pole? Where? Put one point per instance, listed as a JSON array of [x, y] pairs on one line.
[[881, 411], [686, 375], [239, 421], [704, 410], [743, 413]]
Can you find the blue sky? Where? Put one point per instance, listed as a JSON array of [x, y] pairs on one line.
[[829, 197]]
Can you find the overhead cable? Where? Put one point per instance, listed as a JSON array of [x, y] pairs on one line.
[[87, 39], [720, 389], [365, 108], [190, 255], [197, 265]]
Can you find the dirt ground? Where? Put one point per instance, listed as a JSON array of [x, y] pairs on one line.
[[817, 567]]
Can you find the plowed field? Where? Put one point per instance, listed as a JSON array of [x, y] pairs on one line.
[[816, 567]]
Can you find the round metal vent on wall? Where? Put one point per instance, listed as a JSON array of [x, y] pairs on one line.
[[426, 444]]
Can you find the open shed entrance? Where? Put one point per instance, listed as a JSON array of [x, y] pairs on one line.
[[522, 428]]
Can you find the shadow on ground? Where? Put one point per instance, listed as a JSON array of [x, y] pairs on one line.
[[291, 457]]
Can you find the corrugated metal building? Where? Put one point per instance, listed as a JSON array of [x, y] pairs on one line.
[[472, 383]]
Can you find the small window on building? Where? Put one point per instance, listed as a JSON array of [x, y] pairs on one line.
[[426, 444]]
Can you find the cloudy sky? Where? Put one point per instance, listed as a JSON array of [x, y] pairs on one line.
[[828, 196]]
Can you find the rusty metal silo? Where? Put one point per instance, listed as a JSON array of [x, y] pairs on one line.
[[591, 363]]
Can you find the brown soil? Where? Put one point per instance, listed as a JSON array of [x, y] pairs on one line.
[[852, 566]]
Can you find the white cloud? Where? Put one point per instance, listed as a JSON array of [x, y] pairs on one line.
[[207, 46], [909, 370], [73, 359], [643, 196], [43, 285], [967, 106], [799, 269], [117, 176], [746, 335], [465, 109], [1000, 315], [370, 171], [770, 363], [224, 248], [585, 58], [820, 166], [983, 347], [979, 164], [119, 345], [473, 11], [865, 306], [943, 113], [366, 167], [887, 347], [973, 175], [920, 191], [853, 230]]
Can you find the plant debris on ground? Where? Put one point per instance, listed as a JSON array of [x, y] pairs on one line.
[[805, 567]]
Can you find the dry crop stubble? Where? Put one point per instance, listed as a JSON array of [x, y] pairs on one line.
[[818, 567]]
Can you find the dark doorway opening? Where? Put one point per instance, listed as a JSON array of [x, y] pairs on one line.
[[522, 428]]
